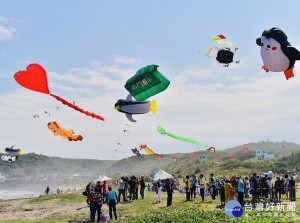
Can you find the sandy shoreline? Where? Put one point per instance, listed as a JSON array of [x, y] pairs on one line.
[[21, 209]]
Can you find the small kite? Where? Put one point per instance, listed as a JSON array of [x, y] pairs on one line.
[[9, 159], [136, 152], [149, 151], [129, 125], [47, 113], [223, 55], [36, 116], [117, 151], [57, 107], [119, 144], [194, 155], [125, 131], [163, 131], [175, 159], [147, 81], [211, 148], [13, 152], [277, 53], [245, 149], [56, 128], [35, 79], [233, 155], [219, 158], [130, 107], [220, 39]]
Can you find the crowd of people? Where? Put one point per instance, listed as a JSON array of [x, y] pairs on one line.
[[231, 188], [238, 188]]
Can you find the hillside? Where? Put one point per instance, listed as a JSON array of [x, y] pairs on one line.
[[48, 165], [188, 165]]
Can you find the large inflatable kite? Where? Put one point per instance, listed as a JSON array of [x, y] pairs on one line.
[[56, 128], [136, 152], [277, 53], [130, 107], [220, 39], [149, 151], [13, 152], [9, 159], [223, 55], [245, 149], [35, 79], [147, 81], [163, 131]]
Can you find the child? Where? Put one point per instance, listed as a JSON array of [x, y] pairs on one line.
[[111, 196], [148, 186], [227, 187]]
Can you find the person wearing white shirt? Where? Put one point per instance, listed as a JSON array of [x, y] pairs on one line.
[[247, 187], [201, 186]]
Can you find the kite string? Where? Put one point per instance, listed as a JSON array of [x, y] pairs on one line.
[[93, 115]]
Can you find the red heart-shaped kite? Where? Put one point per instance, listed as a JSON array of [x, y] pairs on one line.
[[33, 78]]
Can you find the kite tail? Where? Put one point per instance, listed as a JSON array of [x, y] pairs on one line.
[[155, 154], [93, 115]]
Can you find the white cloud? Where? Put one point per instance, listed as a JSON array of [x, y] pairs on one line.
[[118, 59], [9, 19], [6, 33], [216, 113]]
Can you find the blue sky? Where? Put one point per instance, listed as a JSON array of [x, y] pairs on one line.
[[90, 49]]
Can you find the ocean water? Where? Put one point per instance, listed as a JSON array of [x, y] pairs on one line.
[[12, 194]]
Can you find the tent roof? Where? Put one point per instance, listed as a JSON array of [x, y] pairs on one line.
[[162, 175], [103, 178]]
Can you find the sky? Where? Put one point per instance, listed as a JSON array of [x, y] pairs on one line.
[[91, 48]]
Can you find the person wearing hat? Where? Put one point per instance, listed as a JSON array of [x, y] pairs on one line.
[[112, 198]]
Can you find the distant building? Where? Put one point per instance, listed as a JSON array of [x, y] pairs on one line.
[[202, 159], [263, 154]]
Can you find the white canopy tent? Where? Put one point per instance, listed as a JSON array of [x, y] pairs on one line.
[[162, 175], [103, 178]]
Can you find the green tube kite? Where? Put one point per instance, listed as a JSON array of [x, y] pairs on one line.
[[163, 131]]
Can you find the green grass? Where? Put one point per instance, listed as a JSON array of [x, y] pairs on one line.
[[59, 198], [148, 211]]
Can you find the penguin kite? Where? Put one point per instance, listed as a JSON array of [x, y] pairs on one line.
[[277, 53], [130, 107], [223, 55], [13, 152]]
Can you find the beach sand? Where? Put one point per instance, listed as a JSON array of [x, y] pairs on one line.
[[20, 209]]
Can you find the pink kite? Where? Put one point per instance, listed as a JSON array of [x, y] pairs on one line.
[[35, 78], [194, 155], [219, 158], [245, 149], [210, 148], [233, 155], [175, 159]]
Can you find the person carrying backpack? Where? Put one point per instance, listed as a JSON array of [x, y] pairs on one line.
[[95, 201]]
